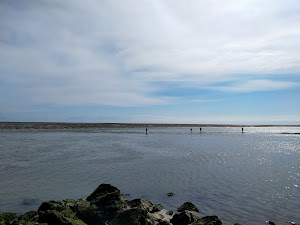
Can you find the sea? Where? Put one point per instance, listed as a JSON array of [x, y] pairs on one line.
[[245, 178]]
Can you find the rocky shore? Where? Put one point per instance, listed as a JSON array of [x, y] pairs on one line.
[[55, 126], [107, 206]]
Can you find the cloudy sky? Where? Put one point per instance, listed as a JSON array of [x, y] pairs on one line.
[[164, 61]]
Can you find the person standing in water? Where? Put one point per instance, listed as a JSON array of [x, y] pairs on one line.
[[146, 131], [200, 130], [242, 130]]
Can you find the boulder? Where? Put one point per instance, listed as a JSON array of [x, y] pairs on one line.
[[103, 207], [208, 220], [184, 218], [133, 216], [102, 189], [187, 206]]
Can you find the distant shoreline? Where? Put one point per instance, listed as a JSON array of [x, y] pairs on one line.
[[64, 125]]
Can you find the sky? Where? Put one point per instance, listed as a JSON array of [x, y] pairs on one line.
[[150, 61]]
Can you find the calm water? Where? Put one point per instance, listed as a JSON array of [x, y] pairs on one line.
[[247, 178]]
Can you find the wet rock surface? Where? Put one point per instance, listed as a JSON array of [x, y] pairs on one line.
[[187, 206]]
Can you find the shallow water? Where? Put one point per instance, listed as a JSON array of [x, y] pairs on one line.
[[246, 178]]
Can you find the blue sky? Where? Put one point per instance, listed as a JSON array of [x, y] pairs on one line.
[[158, 61]]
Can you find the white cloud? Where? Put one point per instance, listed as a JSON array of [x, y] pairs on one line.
[[258, 85], [109, 52], [215, 119]]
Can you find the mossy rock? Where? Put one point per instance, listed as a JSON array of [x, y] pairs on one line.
[[81, 205], [52, 217], [68, 213], [133, 216], [53, 205], [7, 217], [70, 201], [96, 216], [208, 220], [102, 208]]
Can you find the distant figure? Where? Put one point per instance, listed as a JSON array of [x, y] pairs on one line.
[[191, 130], [242, 130], [146, 131], [200, 130]]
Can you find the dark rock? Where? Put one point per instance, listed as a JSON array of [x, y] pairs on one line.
[[133, 216], [237, 224], [164, 223], [53, 205], [170, 194], [103, 189], [141, 204], [184, 218], [187, 206], [7, 217], [157, 208], [170, 213], [110, 203], [208, 220]]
